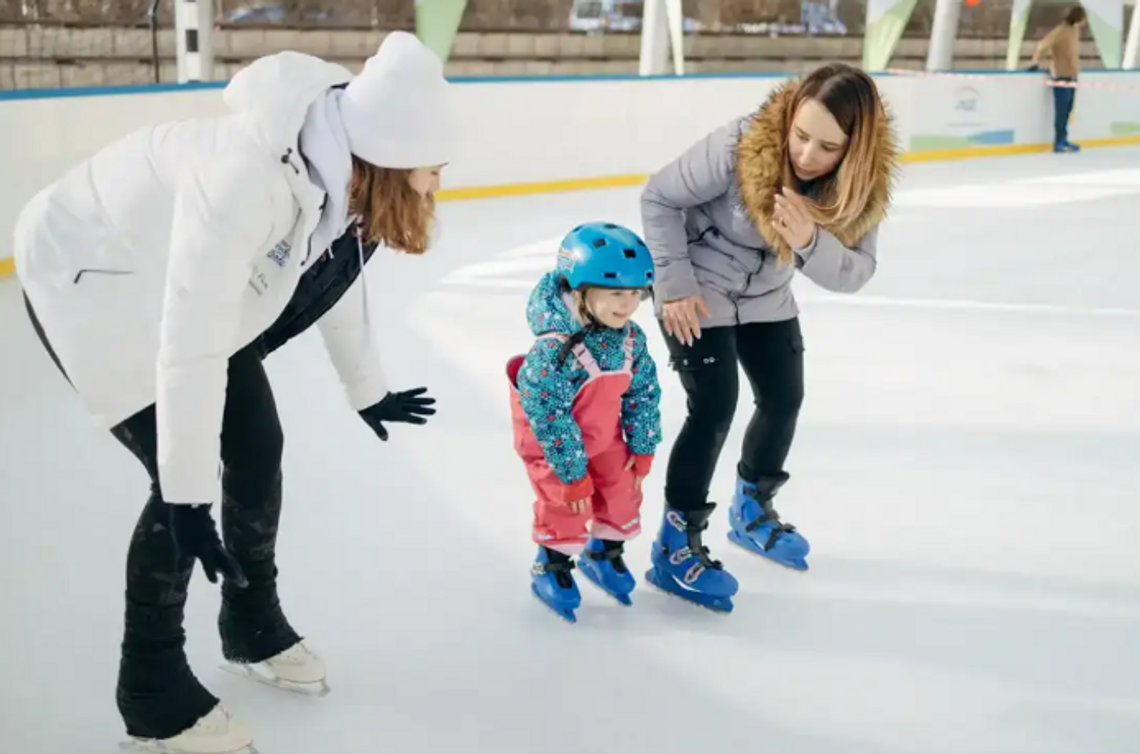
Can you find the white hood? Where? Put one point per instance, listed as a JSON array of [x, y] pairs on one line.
[[275, 92]]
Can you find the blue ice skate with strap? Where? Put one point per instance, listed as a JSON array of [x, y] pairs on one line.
[[756, 527], [681, 563], [601, 562], [552, 583]]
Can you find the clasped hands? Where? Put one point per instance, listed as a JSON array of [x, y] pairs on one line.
[[790, 218]]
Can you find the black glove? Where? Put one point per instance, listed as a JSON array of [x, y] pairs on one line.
[[195, 535], [405, 407]]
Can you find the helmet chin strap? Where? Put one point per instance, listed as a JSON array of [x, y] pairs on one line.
[[591, 322]]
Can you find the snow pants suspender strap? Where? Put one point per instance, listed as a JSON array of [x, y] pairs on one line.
[[586, 359], [627, 346]]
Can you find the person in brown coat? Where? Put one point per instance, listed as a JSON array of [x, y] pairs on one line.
[[1063, 46]]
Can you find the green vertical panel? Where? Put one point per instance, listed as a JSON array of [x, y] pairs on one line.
[[1106, 22], [1018, 19], [437, 23], [886, 20]]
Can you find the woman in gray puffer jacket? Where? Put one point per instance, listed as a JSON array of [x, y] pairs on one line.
[[801, 184]]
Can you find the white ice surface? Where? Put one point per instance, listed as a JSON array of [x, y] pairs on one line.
[[966, 470]]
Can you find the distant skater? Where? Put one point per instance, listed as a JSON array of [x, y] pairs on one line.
[[585, 410], [159, 273], [1062, 45], [801, 184]]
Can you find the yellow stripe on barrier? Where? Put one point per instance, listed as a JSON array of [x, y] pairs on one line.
[[1007, 150], [7, 267], [540, 187], [1111, 141], [966, 153]]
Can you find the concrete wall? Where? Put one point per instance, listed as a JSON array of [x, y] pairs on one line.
[[37, 57]]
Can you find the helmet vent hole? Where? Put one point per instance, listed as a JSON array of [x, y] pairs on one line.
[[630, 254], [599, 243], [610, 276]]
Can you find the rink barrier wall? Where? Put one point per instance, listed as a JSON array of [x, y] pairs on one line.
[[523, 136]]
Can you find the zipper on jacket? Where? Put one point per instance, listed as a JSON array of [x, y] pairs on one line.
[[286, 159], [749, 276], [325, 283], [97, 271]]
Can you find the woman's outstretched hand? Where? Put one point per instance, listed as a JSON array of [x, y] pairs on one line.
[[407, 407], [792, 220], [196, 536], [682, 318]]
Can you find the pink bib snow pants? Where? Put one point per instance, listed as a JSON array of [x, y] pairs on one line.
[[614, 509]]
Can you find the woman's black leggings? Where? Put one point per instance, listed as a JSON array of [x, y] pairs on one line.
[[158, 695], [771, 354]]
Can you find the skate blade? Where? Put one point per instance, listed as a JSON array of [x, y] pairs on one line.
[[563, 613], [319, 689], [798, 565], [622, 598], [718, 605], [150, 746]]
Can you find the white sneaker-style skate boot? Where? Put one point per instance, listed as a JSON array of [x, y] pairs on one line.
[[217, 732], [296, 669]]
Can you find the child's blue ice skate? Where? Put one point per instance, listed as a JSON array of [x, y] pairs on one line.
[[552, 583], [756, 526], [681, 563], [601, 563]]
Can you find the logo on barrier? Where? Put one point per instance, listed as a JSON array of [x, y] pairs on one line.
[[966, 99], [962, 114]]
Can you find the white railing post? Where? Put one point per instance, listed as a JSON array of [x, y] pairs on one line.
[[943, 34], [194, 32]]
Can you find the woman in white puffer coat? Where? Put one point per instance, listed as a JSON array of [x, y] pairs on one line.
[[159, 273]]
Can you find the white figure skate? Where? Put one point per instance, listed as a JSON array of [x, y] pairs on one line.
[[217, 732], [296, 669]]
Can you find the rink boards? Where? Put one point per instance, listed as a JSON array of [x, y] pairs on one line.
[[547, 134]]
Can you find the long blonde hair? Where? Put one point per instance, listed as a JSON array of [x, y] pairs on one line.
[[850, 95], [391, 211]]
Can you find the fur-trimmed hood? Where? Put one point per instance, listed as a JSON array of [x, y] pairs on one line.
[[761, 155]]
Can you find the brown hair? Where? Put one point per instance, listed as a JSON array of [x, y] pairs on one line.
[[390, 210], [851, 97], [1076, 14]]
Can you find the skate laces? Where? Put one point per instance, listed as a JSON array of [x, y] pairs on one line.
[[298, 654], [215, 721]]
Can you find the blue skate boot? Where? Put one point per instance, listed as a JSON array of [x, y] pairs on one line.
[[755, 525], [681, 563], [601, 563], [552, 583]]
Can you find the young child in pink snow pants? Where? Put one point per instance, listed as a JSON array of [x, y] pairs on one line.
[[585, 411]]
